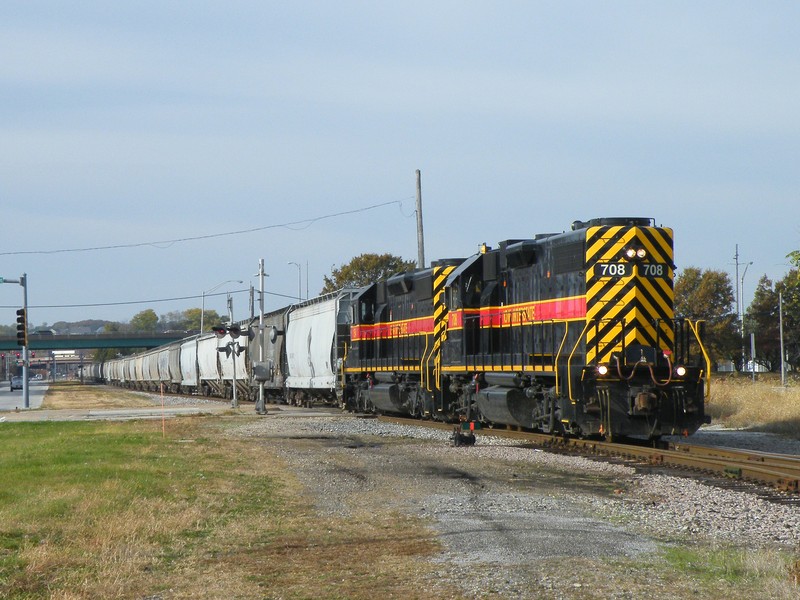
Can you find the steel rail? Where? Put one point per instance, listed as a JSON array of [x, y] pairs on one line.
[[780, 471]]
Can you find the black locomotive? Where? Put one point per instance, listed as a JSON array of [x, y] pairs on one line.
[[571, 333]]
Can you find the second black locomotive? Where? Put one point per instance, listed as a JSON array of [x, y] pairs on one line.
[[572, 332]]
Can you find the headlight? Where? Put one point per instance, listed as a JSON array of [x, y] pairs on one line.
[[641, 253], [680, 371], [630, 253], [602, 370]]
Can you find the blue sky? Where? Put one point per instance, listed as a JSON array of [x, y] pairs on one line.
[[123, 123]]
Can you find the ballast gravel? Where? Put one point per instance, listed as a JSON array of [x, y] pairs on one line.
[[498, 505]]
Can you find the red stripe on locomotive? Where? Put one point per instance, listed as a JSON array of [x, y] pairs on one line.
[[519, 314]]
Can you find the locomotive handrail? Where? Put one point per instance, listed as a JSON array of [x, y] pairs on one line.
[[423, 368], [437, 373], [693, 327], [344, 363], [558, 354], [649, 366], [571, 354]]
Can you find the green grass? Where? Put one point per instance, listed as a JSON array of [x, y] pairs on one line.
[[116, 510], [739, 568], [98, 509]]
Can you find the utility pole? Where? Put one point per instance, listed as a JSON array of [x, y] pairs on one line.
[[780, 324], [420, 237], [261, 408], [743, 274], [741, 325], [299, 280], [740, 293], [22, 334], [234, 353], [23, 281]]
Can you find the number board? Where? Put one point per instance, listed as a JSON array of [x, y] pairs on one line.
[[655, 270], [613, 269]]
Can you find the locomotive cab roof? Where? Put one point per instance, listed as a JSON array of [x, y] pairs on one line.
[[615, 221]]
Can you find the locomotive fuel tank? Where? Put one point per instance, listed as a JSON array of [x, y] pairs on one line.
[[509, 406], [389, 397]]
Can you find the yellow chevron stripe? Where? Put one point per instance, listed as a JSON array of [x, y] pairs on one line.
[[636, 299], [440, 275]]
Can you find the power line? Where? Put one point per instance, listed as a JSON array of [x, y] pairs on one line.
[[302, 224], [154, 301]]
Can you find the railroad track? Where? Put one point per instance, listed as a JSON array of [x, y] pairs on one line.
[[780, 472]]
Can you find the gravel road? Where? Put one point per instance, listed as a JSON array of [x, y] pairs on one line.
[[510, 518]]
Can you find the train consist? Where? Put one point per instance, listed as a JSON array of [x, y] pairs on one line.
[[571, 333]]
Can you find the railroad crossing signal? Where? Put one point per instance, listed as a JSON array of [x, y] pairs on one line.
[[22, 327], [220, 330], [235, 331]]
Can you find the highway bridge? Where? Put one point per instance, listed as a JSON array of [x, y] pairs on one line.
[[45, 343]]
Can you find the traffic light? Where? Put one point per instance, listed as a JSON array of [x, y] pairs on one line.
[[22, 327]]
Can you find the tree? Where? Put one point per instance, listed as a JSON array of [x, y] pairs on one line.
[[192, 319], [173, 321], [108, 353], [789, 289], [708, 296], [145, 321], [364, 269], [762, 319]]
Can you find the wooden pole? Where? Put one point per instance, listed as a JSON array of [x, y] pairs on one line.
[[420, 237]]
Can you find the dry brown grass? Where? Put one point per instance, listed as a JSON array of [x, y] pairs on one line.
[[762, 406], [69, 394]]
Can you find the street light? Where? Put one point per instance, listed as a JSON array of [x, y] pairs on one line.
[[744, 357], [203, 304], [299, 280]]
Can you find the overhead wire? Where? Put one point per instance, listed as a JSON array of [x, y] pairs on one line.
[[290, 225], [153, 301], [166, 243]]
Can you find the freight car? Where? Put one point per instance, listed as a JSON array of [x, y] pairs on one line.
[[317, 334], [571, 333], [296, 357]]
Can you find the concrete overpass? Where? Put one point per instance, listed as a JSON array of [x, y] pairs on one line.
[[46, 343]]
